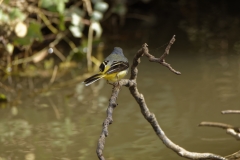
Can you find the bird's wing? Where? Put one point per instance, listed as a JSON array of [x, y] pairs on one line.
[[117, 67]]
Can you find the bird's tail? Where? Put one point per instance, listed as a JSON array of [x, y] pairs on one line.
[[93, 79]]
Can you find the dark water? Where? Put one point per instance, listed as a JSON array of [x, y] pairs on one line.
[[65, 122]]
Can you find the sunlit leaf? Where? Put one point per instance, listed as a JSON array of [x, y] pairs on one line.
[[40, 55], [61, 5], [76, 19], [96, 16], [21, 29], [76, 31], [10, 48], [34, 33], [97, 28], [101, 6]]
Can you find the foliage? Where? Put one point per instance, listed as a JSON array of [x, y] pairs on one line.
[[26, 24]]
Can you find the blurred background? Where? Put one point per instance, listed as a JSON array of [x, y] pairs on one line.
[[48, 48]]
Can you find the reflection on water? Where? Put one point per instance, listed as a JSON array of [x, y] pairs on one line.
[[66, 123]]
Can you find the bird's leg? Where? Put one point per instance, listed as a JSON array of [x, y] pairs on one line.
[[109, 83]]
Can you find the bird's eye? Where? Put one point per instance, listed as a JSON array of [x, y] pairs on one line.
[[102, 67], [105, 62]]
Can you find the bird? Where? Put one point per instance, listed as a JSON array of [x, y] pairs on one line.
[[113, 68]]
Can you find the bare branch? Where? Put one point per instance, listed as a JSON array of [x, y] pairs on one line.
[[109, 119], [216, 124], [233, 133], [231, 112], [150, 117], [144, 51]]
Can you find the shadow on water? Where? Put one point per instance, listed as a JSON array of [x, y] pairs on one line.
[[65, 123]]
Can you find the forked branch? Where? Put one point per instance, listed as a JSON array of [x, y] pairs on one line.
[[233, 131], [150, 117]]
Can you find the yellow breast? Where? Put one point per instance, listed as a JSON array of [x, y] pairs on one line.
[[115, 76]]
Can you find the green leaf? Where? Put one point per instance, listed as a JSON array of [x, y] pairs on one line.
[[61, 7], [101, 6], [3, 17], [54, 5], [34, 33], [22, 41], [17, 14], [61, 24], [47, 3], [96, 16]]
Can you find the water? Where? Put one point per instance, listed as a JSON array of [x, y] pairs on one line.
[[65, 122]]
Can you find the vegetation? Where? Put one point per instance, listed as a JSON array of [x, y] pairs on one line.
[[30, 30]]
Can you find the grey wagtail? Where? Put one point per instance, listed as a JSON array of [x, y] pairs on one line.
[[113, 68]]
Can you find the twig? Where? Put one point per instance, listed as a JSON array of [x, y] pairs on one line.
[[88, 6], [233, 133], [161, 60], [58, 53], [55, 109], [150, 117], [54, 74], [47, 22], [231, 112], [216, 124], [108, 121]]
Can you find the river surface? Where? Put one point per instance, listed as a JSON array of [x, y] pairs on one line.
[[65, 122]]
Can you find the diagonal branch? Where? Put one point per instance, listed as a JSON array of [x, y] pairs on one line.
[[150, 117], [216, 124], [109, 119], [233, 131]]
